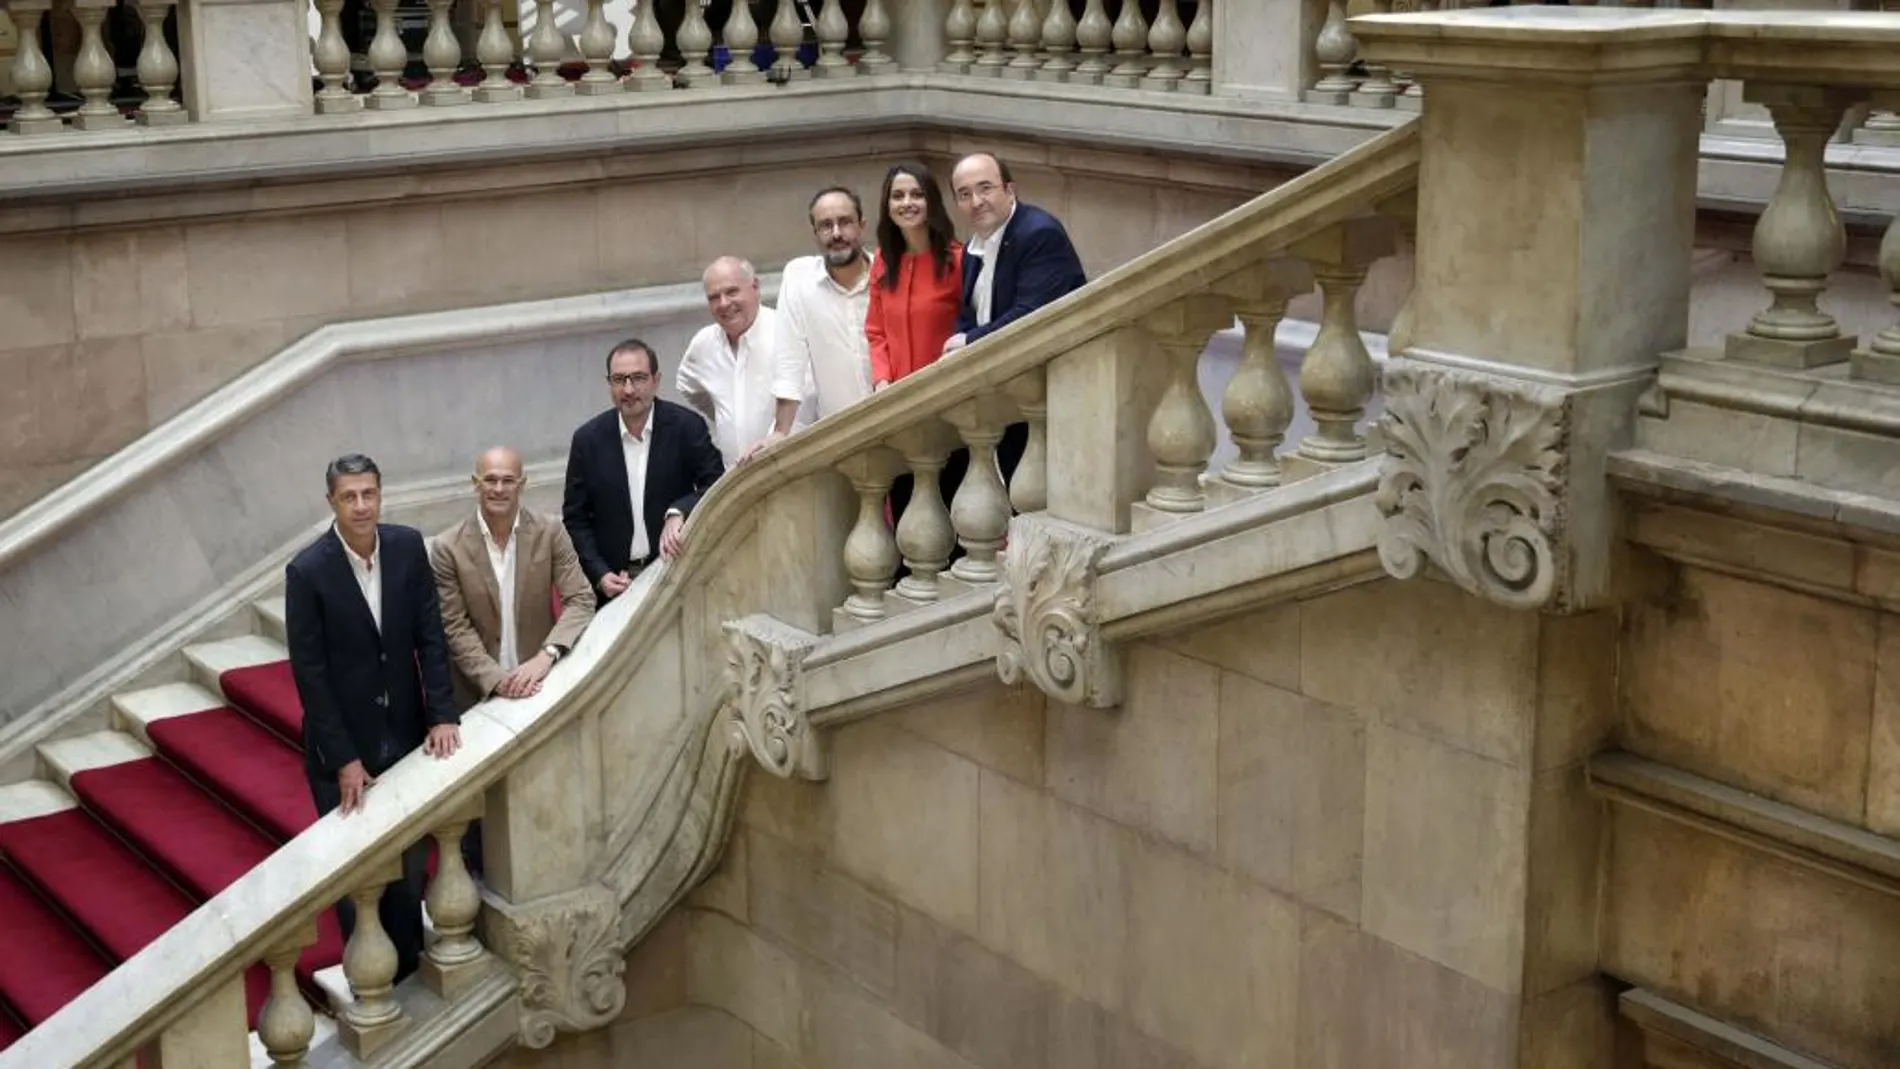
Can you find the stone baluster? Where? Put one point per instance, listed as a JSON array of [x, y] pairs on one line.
[[1880, 361], [1058, 43], [93, 69], [959, 31], [32, 74], [1166, 37], [741, 35], [870, 551], [1883, 119], [158, 68], [1334, 49], [1799, 238], [1029, 487], [924, 534], [1181, 433], [788, 33], [286, 1025], [1378, 90], [980, 510], [369, 964], [495, 51], [1337, 375], [646, 41], [546, 47], [874, 29], [1094, 34], [695, 41], [1025, 37], [387, 57], [992, 32], [834, 31], [1258, 402], [596, 46], [1130, 38], [332, 58], [442, 53], [456, 959], [1200, 46], [1403, 209]]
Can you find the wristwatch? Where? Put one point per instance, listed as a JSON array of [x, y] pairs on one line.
[[555, 653]]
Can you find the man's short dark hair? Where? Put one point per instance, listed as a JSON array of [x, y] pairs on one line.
[[349, 464], [1002, 169], [856, 204], [635, 345]]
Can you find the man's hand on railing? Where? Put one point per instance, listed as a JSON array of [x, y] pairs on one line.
[[351, 781], [443, 741], [761, 445]]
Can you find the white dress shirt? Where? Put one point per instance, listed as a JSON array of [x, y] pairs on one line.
[[635, 450], [369, 575], [732, 385], [502, 560], [984, 248], [821, 337]]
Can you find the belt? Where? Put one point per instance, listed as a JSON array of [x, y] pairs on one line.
[[635, 567]]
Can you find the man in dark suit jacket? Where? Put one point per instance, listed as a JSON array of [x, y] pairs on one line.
[[371, 667], [1018, 259], [643, 447]]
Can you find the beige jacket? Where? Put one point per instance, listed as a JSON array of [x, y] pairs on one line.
[[471, 604]]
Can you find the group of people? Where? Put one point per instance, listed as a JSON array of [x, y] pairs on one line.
[[390, 638]]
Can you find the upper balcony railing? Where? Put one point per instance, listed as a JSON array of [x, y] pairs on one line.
[[86, 66]]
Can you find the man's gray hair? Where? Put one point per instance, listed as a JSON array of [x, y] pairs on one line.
[[744, 265], [349, 464]]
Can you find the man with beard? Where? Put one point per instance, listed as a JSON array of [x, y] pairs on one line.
[[822, 303]]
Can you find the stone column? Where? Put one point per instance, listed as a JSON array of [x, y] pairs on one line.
[[917, 41], [245, 59], [1265, 48], [1540, 310]]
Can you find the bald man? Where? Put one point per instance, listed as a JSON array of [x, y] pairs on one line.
[[500, 573], [726, 373]]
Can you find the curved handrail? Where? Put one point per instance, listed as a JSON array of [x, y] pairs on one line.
[[131, 1005]]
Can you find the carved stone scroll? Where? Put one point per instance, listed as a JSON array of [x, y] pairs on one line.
[[1474, 479], [1045, 609], [764, 704], [570, 953]]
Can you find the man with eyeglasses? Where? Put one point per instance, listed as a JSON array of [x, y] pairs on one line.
[[822, 303], [634, 473], [500, 573]]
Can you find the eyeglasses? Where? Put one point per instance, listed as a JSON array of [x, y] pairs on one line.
[[500, 482], [831, 226], [636, 378]]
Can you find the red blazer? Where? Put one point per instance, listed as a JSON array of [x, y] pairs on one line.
[[907, 326]]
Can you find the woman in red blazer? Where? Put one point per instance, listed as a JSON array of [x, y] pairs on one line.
[[916, 276]]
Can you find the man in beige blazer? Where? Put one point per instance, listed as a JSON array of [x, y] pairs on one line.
[[498, 573]]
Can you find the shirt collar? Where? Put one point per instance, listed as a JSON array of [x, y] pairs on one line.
[[375, 551], [864, 279], [646, 432], [984, 244], [513, 528]]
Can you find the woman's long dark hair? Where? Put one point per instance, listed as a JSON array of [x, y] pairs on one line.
[[890, 237]]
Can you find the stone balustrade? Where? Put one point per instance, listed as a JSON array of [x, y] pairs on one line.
[[114, 71]]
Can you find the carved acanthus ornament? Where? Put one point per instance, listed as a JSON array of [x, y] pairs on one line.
[[1046, 611], [570, 953], [764, 703], [1473, 479]]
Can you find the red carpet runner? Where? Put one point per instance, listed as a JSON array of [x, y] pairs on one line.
[[84, 889]]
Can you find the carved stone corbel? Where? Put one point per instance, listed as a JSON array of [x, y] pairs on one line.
[[1474, 479], [764, 702], [570, 951], [1046, 611]]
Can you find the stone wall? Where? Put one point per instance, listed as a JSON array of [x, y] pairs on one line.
[[1285, 849], [118, 314]]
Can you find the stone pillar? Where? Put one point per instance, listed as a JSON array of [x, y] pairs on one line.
[[917, 41], [1556, 217], [245, 59], [1264, 48], [9, 43], [1101, 396]]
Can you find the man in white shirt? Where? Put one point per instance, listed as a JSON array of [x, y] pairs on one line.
[[822, 303], [726, 374]]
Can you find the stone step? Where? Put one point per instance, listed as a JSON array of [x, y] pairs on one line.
[[210, 660], [65, 758], [33, 798], [270, 618], [135, 711]]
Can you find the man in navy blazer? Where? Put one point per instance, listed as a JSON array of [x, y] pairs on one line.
[[1018, 259], [371, 666], [643, 448]]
